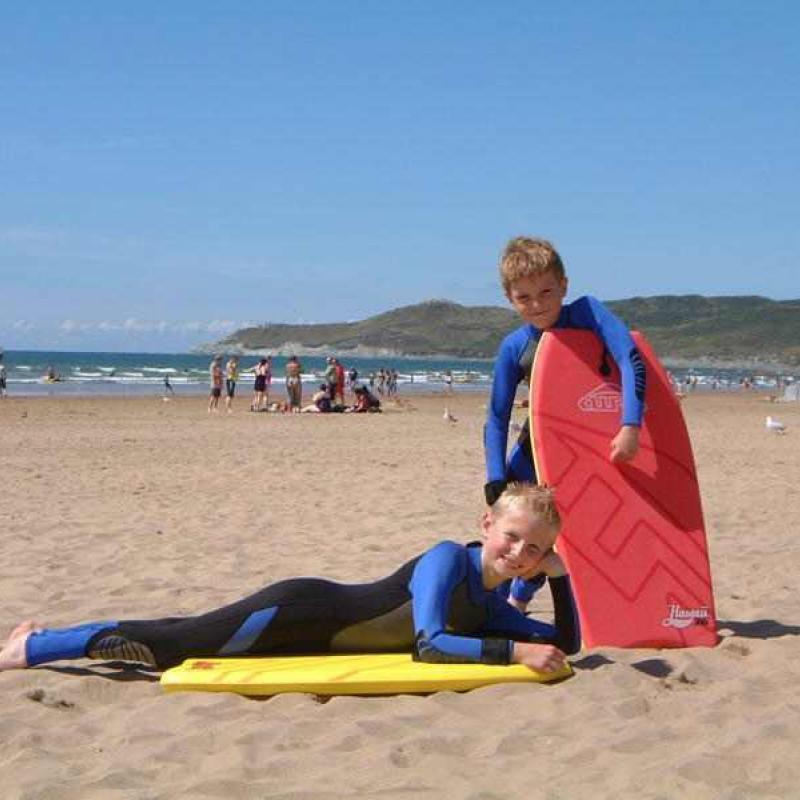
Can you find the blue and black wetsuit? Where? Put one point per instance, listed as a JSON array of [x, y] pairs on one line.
[[513, 366], [434, 606]]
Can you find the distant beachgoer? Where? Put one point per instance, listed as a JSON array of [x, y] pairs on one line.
[[261, 386], [215, 374], [391, 386], [330, 372], [381, 380], [294, 383], [352, 378], [338, 394], [366, 402], [268, 375], [168, 387], [320, 401], [231, 377], [3, 378], [448, 382]]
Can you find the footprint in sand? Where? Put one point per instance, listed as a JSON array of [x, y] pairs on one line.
[[733, 648], [48, 699]]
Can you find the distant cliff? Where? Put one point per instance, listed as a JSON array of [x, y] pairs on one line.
[[691, 328]]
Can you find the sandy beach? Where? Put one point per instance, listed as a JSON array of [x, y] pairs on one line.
[[138, 507]]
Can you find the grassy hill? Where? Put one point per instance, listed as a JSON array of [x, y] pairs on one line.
[[721, 328], [436, 327], [680, 327]]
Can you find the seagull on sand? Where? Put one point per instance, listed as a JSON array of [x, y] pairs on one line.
[[448, 417], [775, 425]]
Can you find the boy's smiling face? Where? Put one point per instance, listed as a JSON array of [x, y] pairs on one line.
[[515, 541], [538, 298]]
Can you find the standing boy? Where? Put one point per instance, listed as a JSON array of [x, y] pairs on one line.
[[535, 283]]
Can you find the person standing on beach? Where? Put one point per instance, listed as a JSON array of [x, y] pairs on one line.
[[330, 375], [294, 384], [215, 374], [337, 396], [267, 381], [535, 283], [231, 377], [168, 390], [3, 378], [352, 378], [260, 386]]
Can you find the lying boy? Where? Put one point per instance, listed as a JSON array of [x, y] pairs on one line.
[[441, 606]]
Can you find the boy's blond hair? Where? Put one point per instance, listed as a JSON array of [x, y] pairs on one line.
[[538, 500], [524, 257]]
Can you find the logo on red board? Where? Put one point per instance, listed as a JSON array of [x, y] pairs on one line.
[[679, 617], [602, 399]]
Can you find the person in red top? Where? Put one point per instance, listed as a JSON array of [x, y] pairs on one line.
[[338, 391]]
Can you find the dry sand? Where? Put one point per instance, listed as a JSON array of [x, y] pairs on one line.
[[137, 507]]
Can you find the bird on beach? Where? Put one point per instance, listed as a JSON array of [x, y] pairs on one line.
[[775, 425], [448, 417]]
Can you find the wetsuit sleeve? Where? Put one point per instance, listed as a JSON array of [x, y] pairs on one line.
[[507, 375], [588, 312], [523, 590], [564, 634], [436, 575]]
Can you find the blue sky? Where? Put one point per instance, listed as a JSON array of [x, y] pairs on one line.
[[172, 170]]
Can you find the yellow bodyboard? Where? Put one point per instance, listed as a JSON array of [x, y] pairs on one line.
[[385, 673]]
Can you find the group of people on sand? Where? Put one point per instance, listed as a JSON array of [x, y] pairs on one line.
[[384, 381], [452, 603], [329, 397], [228, 377]]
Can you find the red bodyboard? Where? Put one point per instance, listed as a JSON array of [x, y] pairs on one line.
[[632, 536]]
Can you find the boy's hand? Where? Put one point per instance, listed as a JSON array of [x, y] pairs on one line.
[[625, 444], [552, 565], [544, 657]]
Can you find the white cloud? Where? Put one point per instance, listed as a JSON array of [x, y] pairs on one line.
[[23, 325], [133, 325]]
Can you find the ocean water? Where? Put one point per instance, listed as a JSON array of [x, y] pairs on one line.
[[144, 373]]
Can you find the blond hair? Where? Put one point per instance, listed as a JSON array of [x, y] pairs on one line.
[[538, 500], [524, 257]]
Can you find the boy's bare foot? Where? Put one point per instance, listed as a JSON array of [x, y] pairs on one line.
[[12, 656]]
